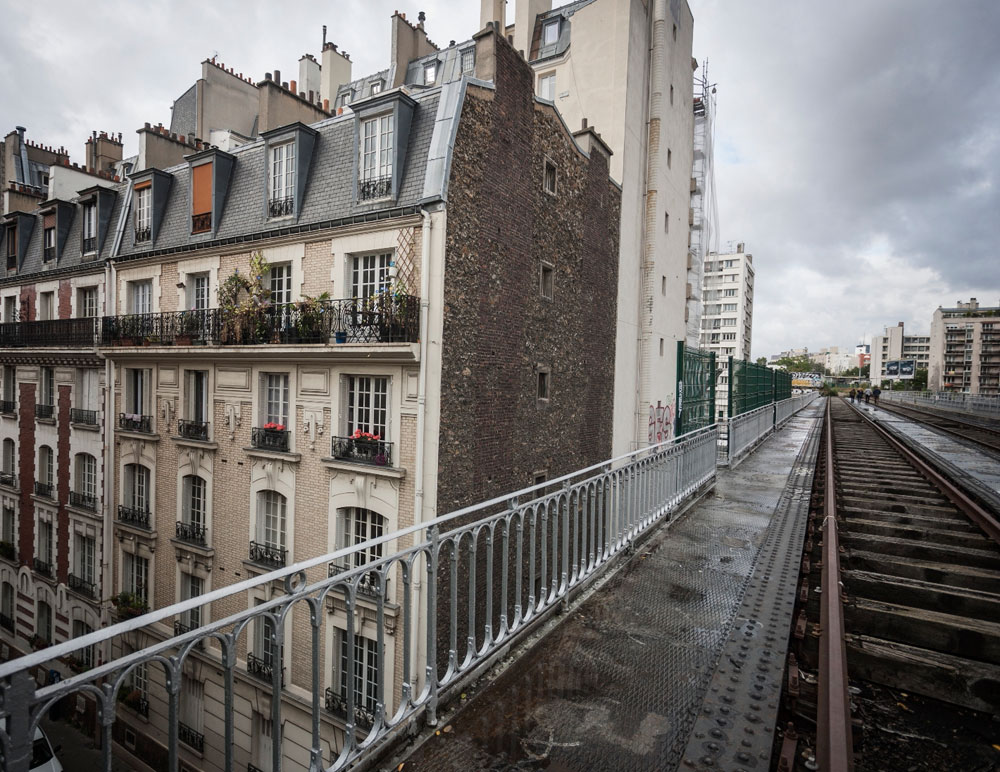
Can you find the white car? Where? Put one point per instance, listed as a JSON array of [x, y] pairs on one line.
[[43, 758]]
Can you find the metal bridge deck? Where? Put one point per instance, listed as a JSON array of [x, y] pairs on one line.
[[620, 684]]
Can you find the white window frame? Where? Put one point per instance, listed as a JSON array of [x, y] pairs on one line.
[[85, 655], [85, 557], [86, 397], [364, 680], [140, 296], [136, 390], [86, 302], [370, 273], [197, 395], [547, 86], [376, 147], [274, 404], [191, 586], [282, 171], [367, 407], [430, 72], [135, 575], [468, 60], [90, 224], [136, 491], [86, 474], [272, 519], [357, 525], [144, 209], [198, 291], [279, 282], [550, 32], [44, 547], [46, 464], [10, 383], [47, 378], [194, 508]]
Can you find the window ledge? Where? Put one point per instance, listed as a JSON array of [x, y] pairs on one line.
[[274, 455], [189, 443], [205, 550], [54, 503], [91, 513], [372, 469], [11, 488], [146, 533], [85, 427], [148, 436], [12, 415], [259, 569], [47, 421]]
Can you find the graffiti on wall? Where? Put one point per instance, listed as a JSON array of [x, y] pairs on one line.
[[661, 422]]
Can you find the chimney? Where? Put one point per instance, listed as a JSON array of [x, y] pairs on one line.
[[408, 43], [334, 73], [525, 14], [492, 11], [309, 73]]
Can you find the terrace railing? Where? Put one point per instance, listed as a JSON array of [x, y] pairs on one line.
[[65, 333]]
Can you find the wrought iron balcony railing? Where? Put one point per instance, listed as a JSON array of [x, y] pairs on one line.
[[86, 501], [43, 567], [83, 586], [369, 584], [7, 622], [89, 244], [193, 430], [263, 667], [267, 554], [79, 415], [67, 333], [371, 188], [8, 550], [9, 479], [382, 318], [133, 422], [194, 533], [48, 254], [43, 489], [137, 516], [200, 223], [281, 207], [362, 451], [143, 235], [137, 701], [44, 411], [190, 737], [335, 704], [8, 406], [269, 439]]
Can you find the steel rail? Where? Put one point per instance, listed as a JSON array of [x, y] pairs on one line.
[[921, 416], [835, 745], [968, 506]]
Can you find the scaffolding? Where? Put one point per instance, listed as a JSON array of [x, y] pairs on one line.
[[704, 215]]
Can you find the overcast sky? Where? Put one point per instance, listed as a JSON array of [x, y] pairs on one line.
[[857, 141]]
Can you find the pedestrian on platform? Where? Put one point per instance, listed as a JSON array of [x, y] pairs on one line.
[[853, 392], [875, 392], [868, 396]]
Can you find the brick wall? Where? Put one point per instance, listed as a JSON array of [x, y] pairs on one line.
[[65, 299], [63, 462], [26, 304], [26, 470]]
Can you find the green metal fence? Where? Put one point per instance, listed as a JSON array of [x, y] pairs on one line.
[[782, 385], [695, 389], [750, 386]]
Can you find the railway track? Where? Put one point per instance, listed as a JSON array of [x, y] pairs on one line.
[[898, 663], [973, 431]]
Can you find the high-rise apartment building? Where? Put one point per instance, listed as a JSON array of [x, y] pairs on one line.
[[894, 344], [965, 349]]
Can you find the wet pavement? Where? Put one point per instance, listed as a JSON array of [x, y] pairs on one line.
[[619, 684]]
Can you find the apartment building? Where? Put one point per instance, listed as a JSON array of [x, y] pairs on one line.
[[894, 344], [965, 349], [625, 66], [328, 333]]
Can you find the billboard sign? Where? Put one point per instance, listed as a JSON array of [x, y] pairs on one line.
[[892, 369], [900, 368]]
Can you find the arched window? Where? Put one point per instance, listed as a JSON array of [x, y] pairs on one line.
[[271, 509], [43, 622], [358, 525], [195, 502], [7, 606], [85, 479], [46, 469], [8, 461]]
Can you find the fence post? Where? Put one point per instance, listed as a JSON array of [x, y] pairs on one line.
[[679, 417], [729, 400]]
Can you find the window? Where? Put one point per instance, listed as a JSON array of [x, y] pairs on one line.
[[197, 396], [365, 678], [11, 240], [729, 293], [547, 86], [543, 385], [376, 157], [7, 527], [86, 302], [275, 401], [358, 526], [137, 487], [271, 512], [728, 306], [375, 88], [49, 251], [84, 656], [194, 508], [550, 177], [140, 297], [86, 478], [728, 322], [468, 60], [135, 391], [9, 385], [10, 308], [191, 587], [281, 199], [370, 274], [7, 605], [344, 98], [729, 336], [46, 303], [143, 213], [550, 32], [90, 227], [43, 622], [201, 198], [367, 399], [192, 708], [430, 73], [8, 459], [43, 546], [48, 388], [280, 280], [45, 466], [265, 647], [84, 552], [545, 281], [135, 575]]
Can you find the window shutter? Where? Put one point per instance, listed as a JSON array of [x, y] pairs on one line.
[[201, 189]]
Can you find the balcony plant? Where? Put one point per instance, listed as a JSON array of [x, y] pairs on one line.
[[129, 604], [38, 642], [244, 303], [310, 316], [188, 328]]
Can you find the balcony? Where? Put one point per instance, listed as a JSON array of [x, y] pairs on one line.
[[362, 451], [9, 479], [82, 586], [193, 533], [193, 430], [8, 406], [65, 333], [369, 584], [267, 555], [83, 501], [374, 188], [190, 737], [136, 516], [381, 318], [262, 667], [44, 412], [143, 235], [337, 705], [134, 699], [133, 422], [263, 438], [43, 567], [48, 254], [80, 416], [43, 489], [281, 207], [201, 223], [8, 551], [89, 244], [7, 622]]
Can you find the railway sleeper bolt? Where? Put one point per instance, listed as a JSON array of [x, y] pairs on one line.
[[800, 625], [793, 676], [804, 591]]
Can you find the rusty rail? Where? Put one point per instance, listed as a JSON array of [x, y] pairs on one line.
[[835, 746]]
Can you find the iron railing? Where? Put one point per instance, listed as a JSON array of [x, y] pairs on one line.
[[44, 411], [382, 318], [43, 567], [263, 667], [133, 422], [66, 333], [193, 430], [80, 416], [281, 207], [137, 516], [43, 489], [82, 586], [195, 533], [369, 584], [269, 439], [142, 235], [190, 737], [9, 479], [83, 500], [377, 452], [267, 554], [48, 254], [8, 550], [201, 223], [8, 406], [371, 188], [517, 559], [336, 705], [89, 244], [7, 622], [746, 430], [972, 404]]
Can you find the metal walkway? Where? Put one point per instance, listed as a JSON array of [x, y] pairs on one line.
[[621, 684]]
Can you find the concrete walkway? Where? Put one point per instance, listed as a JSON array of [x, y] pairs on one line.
[[619, 685]]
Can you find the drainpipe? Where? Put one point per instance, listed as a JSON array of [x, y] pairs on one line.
[[418, 647], [109, 457]]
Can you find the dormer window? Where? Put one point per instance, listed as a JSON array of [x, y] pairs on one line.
[[143, 213], [375, 87], [468, 61], [49, 247], [10, 238], [430, 73], [201, 198], [550, 32], [345, 98], [89, 227], [376, 158], [281, 193]]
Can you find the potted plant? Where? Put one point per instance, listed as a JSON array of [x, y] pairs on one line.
[[310, 313], [245, 304], [189, 326], [129, 605], [366, 444]]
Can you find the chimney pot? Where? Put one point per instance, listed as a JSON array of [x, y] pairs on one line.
[[285, 85], [326, 105], [277, 76], [584, 123], [294, 87], [451, 43], [267, 76], [421, 17], [311, 100]]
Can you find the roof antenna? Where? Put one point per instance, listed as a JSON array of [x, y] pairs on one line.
[[324, 36]]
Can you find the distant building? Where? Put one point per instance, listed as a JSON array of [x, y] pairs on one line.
[[894, 344], [965, 349], [834, 360]]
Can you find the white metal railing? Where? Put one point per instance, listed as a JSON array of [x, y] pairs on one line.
[[745, 431], [984, 405], [466, 584]]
